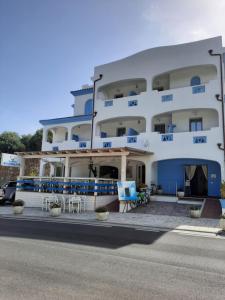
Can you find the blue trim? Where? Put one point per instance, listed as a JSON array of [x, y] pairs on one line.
[[132, 103], [198, 89], [82, 92], [166, 98], [55, 148], [66, 120], [107, 144], [83, 145], [167, 137], [131, 139], [108, 103], [88, 108], [199, 139]]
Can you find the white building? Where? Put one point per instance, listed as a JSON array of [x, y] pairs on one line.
[[162, 104]]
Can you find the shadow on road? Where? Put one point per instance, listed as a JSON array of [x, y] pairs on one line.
[[91, 235]]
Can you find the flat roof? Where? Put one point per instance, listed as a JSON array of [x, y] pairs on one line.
[[86, 153]]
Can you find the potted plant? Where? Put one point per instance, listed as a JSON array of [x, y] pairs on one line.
[[222, 222], [142, 187], [195, 211], [18, 206], [159, 190], [55, 209], [180, 193], [101, 213]]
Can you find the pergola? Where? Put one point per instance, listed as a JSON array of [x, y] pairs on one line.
[[123, 153]]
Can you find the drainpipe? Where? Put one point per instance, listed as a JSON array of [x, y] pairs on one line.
[[92, 124], [221, 98]]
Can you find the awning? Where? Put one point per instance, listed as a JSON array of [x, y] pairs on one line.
[[103, 152]]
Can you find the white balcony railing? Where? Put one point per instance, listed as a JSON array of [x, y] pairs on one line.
[[65, 145], [138, 141]]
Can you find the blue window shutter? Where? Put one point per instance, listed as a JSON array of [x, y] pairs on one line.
[[88, 107]]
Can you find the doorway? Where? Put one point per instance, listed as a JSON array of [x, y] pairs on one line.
[[108, 172], [196, 177]]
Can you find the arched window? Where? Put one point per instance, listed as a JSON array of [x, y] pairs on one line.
[[195, 80], [88, 107]]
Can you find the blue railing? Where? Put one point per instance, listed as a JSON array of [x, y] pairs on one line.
[[69, 187]]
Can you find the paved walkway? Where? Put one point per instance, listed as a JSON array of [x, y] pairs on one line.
[[130, 219]]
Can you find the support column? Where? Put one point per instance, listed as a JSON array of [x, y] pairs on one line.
[[22, 166], [52, 170], [67, 166], [123, 168], [41, 168]]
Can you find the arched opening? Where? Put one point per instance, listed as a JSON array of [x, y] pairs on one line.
[[195, 177], [81, 132], [122, 88], [183, 77], [88, 108], [124, 126], [57, 134], [185, 120]]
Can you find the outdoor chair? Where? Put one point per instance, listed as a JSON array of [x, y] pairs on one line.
[[47, 200], [74, 204]]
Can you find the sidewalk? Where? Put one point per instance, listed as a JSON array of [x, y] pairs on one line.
[[128, 219]]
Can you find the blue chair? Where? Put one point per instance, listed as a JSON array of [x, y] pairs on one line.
[[75, 138], [132, 132], [132, 93], [103, 134]]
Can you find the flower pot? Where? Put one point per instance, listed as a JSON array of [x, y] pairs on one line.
[[18, 210], [102, 216], [55, 212], [196, 213], [222, 224], [180, 194], [160, 191]]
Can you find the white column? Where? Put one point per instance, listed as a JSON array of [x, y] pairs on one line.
[[67, 166], [52, 170], [123, 168], [44, 138], [41, 168], [148, 172], [22, 166]]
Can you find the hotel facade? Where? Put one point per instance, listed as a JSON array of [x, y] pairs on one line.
[[155, 117]]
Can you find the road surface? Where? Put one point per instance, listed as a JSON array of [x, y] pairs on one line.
[[45, 260]]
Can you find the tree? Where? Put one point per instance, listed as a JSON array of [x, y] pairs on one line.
[[36, 141], [10, 142]]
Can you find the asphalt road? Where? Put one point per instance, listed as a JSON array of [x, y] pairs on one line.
[[40, 260]]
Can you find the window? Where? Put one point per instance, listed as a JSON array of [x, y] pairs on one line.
[[121, 131], [88, 107], [195, 80], [161, 128], [195, 125]]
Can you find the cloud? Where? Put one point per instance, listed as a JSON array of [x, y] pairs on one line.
[[179, 21]]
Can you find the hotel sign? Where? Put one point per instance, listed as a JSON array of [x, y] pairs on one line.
[[10, 160]]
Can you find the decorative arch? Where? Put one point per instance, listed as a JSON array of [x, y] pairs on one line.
[[88, 109]]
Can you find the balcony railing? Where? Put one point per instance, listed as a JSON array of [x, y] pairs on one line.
[[65, 145]]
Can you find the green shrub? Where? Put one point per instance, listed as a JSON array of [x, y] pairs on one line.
[[101, 210], [18, 203]]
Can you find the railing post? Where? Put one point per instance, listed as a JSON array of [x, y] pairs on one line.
[[96, 187]]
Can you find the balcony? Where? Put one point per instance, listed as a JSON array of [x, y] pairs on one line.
[[65, 145], [199, 96], [139, 142], [199, 144]]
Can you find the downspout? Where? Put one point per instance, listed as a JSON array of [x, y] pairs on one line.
[[221, 98], [92, 123]]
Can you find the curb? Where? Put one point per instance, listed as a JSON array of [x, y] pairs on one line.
[[181, 228]]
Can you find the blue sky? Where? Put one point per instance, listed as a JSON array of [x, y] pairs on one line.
[[50, 47]]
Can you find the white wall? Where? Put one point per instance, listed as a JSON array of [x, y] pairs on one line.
[[79, 104], [83, 131]]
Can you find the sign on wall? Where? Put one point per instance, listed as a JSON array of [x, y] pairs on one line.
[[10, 160], [127, 190]]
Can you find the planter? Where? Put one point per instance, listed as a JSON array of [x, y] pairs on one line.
[[222, 224], [102, 216], [55, 212], [18, 210], [195, 213], [180, 194], [159, 192]]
